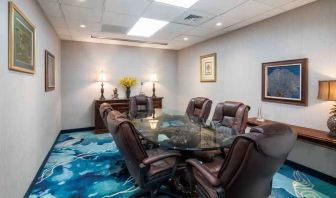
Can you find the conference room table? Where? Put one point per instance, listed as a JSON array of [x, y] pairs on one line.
[[174, 131]]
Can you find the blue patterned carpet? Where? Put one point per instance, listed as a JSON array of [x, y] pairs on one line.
[[81, 164]]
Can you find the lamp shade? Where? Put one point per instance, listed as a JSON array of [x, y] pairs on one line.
[[101, 77], [327, 90], [154, 78]]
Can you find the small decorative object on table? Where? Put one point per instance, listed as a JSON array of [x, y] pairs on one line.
[[260, 117], [127, 83], [154, 79], [115, 94], [327, 91]]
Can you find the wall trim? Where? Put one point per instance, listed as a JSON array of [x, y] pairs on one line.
[[77, 130], [312, 172]]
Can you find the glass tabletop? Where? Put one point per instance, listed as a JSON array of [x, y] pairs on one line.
[[180, 132]]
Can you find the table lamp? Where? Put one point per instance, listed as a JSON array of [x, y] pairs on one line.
[[102, 79], [327, 92], [154, 79]]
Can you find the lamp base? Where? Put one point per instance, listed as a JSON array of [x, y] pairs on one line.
[[332, 134]]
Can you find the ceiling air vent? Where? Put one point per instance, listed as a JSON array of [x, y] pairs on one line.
[[193, 18]]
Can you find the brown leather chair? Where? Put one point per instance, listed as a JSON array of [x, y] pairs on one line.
[[149, 168], [199, 108], [248, 170], [230, 117], [140, 106]]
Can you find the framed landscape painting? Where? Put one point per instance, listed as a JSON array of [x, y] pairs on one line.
[[49, 71], [21, 41], [208, 68], [285, 82]]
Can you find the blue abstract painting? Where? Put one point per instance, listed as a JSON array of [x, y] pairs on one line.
[[82, 164], [283, 82]]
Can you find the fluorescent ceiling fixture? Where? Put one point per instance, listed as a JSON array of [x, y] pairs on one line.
[[179, 3], [146, 27]]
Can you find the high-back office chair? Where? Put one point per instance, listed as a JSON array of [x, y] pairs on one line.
[[250, 165], [141, 106], [199, 108], [230, 117], [149, 168]]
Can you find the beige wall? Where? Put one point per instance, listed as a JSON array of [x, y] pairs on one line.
[[29, 118], [306, 32], [81, 63]]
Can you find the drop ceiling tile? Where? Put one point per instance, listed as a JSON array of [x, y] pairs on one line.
[[247, 10], [217, 6], [224, 20], [81, 14], [50, 8], [163, 12], [162, 35], [265, 15], [63, 31], [130, 7], [58, 22], [275, 3], [296, 4], [177, 28], [191, 39], [65, 37], [84, 4], [90, 26], [124, 20], [201, 32]]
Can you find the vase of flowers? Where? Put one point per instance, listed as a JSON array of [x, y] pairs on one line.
[[332, 122], [127, 83]]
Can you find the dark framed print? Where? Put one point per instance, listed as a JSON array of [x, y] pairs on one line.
[[49, 71], [285, 82], [208, 71], [21, 41]]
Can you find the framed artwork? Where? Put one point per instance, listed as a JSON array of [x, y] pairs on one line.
[[21, 41], [49, 71], [285, 82], [208, 68]]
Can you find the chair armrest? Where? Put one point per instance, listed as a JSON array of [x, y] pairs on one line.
[[214, 181], [150, 160]]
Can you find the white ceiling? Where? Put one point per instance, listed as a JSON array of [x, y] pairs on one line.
[[118, 16]]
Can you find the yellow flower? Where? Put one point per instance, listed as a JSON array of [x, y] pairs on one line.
[[128, 82]]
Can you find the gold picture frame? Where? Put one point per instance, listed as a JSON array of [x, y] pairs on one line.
[[21, 43], [50, 77], [208, 68]]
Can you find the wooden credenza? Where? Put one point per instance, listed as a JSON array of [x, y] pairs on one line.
[[313, 136], [121, 105]]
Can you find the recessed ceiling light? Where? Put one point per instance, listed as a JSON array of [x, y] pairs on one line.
[[81, 0], [83, 26], [218, 24], [186, 38], [179, 3], [146, 27]]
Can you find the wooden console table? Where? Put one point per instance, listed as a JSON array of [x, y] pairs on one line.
[[121, 105], [313, 136]]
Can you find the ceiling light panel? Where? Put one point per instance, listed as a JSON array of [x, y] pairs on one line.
[[179, 3], [146, 27]]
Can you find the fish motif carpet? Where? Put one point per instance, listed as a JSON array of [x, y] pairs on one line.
[[82, 164]]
